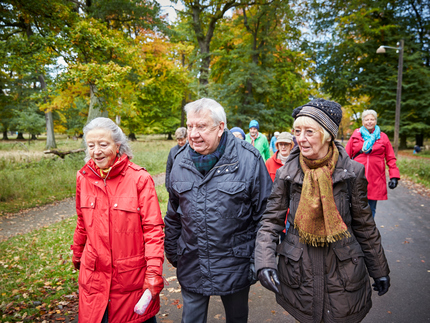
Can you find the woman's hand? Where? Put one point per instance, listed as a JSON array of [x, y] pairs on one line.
[[382, 285], [269, 278], [393, 183], [76, 262], [153, 281]]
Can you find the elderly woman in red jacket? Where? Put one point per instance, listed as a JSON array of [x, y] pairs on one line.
[[372, 148], [118, 242], [284, 144]]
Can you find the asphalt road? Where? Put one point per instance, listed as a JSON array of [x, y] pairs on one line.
[[404, 223]]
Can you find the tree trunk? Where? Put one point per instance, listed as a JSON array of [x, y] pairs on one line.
[[403, 139], [132, 137], [183, 112], [169, 136], [20, 136], [419, 139], [5, 135], [33, 137], [50, 137], [96, 105]]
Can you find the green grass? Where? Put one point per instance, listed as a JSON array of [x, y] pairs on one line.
[[36, 273], [30, 178], [418, 169]]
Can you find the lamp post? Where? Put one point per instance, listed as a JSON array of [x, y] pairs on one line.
[[381, 50]]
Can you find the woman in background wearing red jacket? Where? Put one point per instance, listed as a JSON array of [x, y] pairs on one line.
[[284, 144], [372, 148], [118, 242]]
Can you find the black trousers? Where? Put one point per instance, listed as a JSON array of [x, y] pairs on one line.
[[105, 318]]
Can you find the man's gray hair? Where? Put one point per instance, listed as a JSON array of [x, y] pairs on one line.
[[365, 113], [117, 135], [181, 133], [216, 109]]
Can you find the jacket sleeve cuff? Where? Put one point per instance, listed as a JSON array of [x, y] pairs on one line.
[[155, 262], [77, 250]]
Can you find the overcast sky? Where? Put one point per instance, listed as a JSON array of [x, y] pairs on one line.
[[167, 7]]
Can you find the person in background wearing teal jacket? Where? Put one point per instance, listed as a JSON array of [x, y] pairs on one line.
[[273, 142], [258, 140]]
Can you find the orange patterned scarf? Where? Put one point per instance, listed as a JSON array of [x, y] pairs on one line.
[[317, 218]]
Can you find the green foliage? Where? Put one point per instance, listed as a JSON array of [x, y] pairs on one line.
[[28, 121], [348, 34], [418, 169], [257, 73]]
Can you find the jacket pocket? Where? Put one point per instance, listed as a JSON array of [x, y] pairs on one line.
[[131, 272], [126, 215], [351, 266], [290, 264], [88, 204], [244, 244], [184, 192], [231, 199], [89, 277]]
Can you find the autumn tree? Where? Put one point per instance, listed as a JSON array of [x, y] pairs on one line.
[[349, 32], [258, 69]]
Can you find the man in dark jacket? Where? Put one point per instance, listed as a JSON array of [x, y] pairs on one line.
[[181, 139], [218, 190]]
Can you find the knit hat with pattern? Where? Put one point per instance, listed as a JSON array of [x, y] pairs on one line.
[[327, 113]]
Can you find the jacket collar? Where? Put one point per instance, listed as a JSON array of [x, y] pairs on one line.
[[229, 160], [118, 169]]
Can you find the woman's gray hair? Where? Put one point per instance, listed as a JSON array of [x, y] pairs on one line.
[[117, 135], [216, 109], [365, 113], [181, 133]]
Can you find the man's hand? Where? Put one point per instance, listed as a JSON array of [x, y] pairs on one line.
[[269, 278], [252, 275]]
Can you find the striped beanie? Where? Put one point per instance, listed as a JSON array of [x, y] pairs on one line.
[[327, 113]]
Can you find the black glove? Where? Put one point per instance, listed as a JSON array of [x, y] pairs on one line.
[[381, 285], [393, 183], [252, 275], [269, 278]]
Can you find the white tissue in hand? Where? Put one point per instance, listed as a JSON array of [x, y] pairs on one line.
[[143, 303]]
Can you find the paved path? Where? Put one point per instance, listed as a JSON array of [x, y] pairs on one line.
[[38, 217], [404, 223]]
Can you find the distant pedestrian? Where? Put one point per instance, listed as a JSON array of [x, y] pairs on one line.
[[273, 142], [181, 139], [118, 241], [333, 244], [372, 148], [284, 144], [258, 140], [238, 132], [218, 191], [417, 149]]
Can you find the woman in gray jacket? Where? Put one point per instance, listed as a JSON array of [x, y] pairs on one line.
[[332, 245]]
